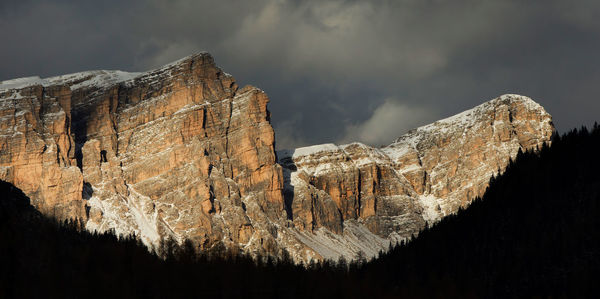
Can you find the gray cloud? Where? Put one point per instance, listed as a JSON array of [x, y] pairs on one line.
[[386, 121], [332, 68]]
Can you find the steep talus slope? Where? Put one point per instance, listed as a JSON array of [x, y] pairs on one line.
[[183, 152]]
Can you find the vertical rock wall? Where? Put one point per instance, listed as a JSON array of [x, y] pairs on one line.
[[183, 152], [37, 148]]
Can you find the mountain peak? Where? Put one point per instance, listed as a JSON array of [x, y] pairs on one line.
[[428, 173], [104, 78], [180, 152]]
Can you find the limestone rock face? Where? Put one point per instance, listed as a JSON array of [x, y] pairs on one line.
[[37, 151], [183, 152], [180, 152], [424, 175]]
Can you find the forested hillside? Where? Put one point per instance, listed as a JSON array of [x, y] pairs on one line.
[[536, 231]]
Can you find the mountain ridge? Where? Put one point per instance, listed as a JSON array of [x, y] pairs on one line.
[[490, 249], [183, 152], [427, 173]]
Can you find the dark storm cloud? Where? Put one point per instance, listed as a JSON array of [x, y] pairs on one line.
[[335, 71]]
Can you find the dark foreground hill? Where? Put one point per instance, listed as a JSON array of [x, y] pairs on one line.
[[535, 233]]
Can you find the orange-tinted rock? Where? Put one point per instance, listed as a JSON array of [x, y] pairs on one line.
[[179, 151], [424, 175], [183, 152], [37, 149]]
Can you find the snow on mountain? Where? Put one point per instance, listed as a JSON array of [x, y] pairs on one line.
[[182, 152], [422, 176]]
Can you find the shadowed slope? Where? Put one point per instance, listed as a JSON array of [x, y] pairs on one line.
[[534, 232]]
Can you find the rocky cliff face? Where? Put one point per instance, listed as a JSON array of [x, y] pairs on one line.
[[180, 151], [183, 152], [424, 175], [37, 151]]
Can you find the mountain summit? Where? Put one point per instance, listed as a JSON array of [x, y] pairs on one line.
[[183, 152]]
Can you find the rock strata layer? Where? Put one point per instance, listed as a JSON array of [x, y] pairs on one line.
[[183, 152]]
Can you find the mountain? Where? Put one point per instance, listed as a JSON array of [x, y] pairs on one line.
[[180, 151], [426, 174], [183, 152], [532, 234]]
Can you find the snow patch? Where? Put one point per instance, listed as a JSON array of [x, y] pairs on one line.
[[307, 151], [100, 79], [22, 82], [147, 223], [138, 217], [431, 208], [95, 78]]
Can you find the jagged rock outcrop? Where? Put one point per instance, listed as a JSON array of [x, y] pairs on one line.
[[180, 151], [37, 152], [183, 152], [424, 175]]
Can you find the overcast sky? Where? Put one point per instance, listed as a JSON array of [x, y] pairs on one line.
[[335, 71]]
